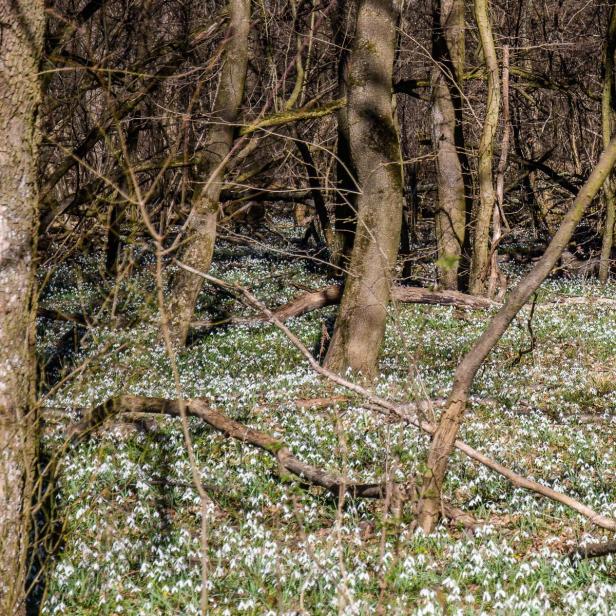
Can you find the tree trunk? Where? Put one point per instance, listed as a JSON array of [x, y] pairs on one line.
[[320, 206], [375, 149], [480, 264], [608, 112], [201, 227], [449, 424], [447, 76], [497, 286], [22, 27], [345, 213]]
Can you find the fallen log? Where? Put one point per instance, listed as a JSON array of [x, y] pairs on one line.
[[593, 550], [307, 302], [294, 468], [200, 408], [419, 295], [330, 295]]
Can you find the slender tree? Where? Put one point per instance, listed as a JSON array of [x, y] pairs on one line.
[[375, 151], [608, 116], [447, 137], [480, 264], [451, 419], [201, 226], [21, 30]]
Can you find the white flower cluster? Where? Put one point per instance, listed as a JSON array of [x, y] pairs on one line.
[[132, 518]]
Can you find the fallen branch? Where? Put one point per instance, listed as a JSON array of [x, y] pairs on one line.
[[402, 412], [593, 550], [331, 295], [200, 408]]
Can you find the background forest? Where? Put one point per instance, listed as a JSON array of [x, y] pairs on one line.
[[307, 307]]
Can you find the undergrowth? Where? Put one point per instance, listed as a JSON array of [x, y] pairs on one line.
[[130, 515]]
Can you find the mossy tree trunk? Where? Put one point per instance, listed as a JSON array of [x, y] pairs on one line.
[[375, 151], [608, 114], [484, 207], [22, 25], [431, 482], [201, 226], [447, 76]]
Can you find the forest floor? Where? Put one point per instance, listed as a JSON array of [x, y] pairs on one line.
[[130, 516]]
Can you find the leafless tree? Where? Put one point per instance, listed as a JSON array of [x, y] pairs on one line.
[[21, 31]]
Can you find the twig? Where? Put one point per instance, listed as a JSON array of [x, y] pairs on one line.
[[533, 338]]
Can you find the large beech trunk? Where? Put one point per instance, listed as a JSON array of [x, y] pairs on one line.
[[608, 113], [22, 27], [375, 151], [447, 77], [201, 227], [449, 424], [480, 263]]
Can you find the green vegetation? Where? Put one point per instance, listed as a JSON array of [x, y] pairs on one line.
[[131, 516]]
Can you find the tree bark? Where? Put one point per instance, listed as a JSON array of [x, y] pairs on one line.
[[345, 212], [315, 190], [480, 263], [375, 149], [451, 419], [201, 227], [497, 286], [608, 114], [22, 25], [447, 76]]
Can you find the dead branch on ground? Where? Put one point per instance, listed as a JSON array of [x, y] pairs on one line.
[[402, 412]]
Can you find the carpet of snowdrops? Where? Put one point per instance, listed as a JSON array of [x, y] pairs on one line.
[[130, 516]]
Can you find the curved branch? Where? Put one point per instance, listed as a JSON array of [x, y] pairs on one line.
[[285, 117]]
